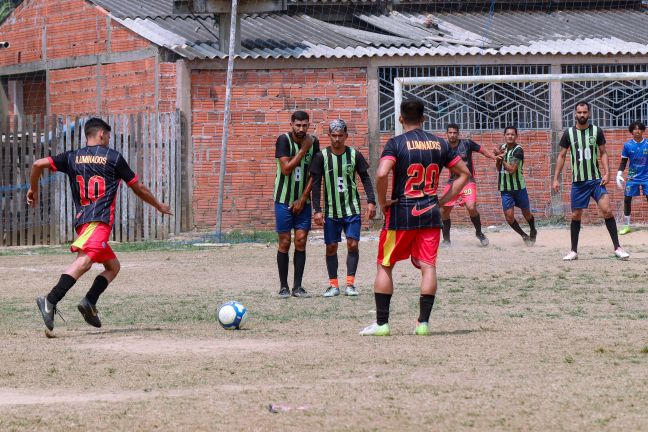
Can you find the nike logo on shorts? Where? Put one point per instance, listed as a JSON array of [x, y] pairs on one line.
[[418, 212]]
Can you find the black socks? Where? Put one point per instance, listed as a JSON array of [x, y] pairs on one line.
[[62, 287], [352, 262], [332, 266], [425, 307], [610, 224], [299, 262], [282, 265], [382, 308], [476, 221], [574, 229], [518, 229], [446, 229], [98, 287]]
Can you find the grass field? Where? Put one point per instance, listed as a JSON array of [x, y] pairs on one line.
[[521, 341]]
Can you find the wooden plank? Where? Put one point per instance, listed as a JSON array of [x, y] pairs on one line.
[[13, 179], [177, 178], [124, 188], [152, 172], [115, 143], [159, 226], [146, 162], [60, 192], [23, 209], [34, 236], [68, 215], [167, 171], [4, 179], [136, 142], [132, 162]]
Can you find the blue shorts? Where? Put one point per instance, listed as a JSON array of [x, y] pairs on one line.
[[582, 191], [518, 198], [333, 228], [286, 221], [632, 188]]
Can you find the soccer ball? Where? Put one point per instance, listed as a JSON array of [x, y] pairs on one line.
[[232, 315]]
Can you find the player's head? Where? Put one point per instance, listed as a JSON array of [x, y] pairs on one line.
[[582, 110], [637, 130], [338, 133], [452, 132], [97, 132], [412, 112], [510, 134], [300, 122]]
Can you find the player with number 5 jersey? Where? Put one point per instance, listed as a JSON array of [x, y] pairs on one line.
[[95, 173], [412, 216]]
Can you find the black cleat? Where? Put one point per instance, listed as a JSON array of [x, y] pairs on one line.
[[300, 292], [483, 240], [529, 241], [89, 312], [284, 292], [47, 310]]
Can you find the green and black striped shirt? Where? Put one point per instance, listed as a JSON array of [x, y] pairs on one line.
[[289, 188], [512, 182], [338, 173], [583, 146]]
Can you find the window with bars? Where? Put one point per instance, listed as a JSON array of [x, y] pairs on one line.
[[615, 104], [472, 106]]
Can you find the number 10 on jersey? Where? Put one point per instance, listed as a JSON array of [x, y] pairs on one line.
[[421, 180]]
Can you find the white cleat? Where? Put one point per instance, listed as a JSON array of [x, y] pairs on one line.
[[571, 256], [376, 330], [621, 254]]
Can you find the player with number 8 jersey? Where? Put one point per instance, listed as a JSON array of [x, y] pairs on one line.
[[95, 173]]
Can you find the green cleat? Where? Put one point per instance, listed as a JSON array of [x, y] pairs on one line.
[[376, 330], [625, 230], [422, 329]]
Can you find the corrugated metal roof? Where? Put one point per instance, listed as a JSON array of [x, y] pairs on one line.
[[281, 35], [137, 8]]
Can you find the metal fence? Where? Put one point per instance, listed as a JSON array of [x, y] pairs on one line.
[[151, 143]]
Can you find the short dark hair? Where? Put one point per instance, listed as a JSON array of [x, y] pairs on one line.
[[511, 127], [452, 126], [636, 124], [412, 111], [93, 125], [299, 115], [581, 103]]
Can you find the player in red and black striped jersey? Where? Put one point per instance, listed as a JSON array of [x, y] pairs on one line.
[[468, 195], [412, 217], [95, 173]]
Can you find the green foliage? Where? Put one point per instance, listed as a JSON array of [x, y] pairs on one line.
[[6, 6]]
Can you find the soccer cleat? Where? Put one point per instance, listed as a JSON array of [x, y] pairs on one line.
[[300, 292], [625, 230], [376, 330], [331, 292], [446, 244], [533, 236], [571, 256], [47, 310], [350, 291], [422, 329], [483, 239], [621, 254], [89, 312], [284, 292], [528, 241]]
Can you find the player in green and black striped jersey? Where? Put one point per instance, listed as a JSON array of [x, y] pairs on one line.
[[336, 167], [585, 143], [512, 187], [294, 153]]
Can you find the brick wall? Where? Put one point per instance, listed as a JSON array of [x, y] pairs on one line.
[[77, 28], [262, 102]]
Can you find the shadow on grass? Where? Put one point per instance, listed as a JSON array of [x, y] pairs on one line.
[[459, 332]]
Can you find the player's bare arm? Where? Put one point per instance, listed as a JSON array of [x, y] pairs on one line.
[[605, 165], [382, 175], [37, 169], [488, 153], [318, 217], [463, 175], [511, 168], [560, 164], [298, 205], [289, 164], [145, 195]]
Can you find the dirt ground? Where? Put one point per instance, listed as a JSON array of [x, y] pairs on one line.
[[521, 341]]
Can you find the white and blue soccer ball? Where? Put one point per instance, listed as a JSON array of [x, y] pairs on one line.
[[232, 315]]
